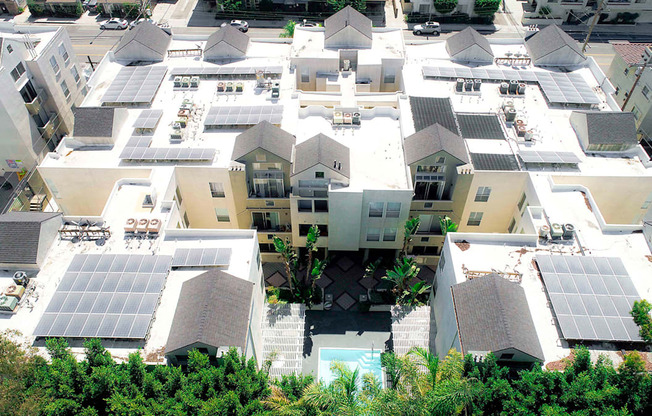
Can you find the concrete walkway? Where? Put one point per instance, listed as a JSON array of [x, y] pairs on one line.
[[397, 21], [283, 338], [410, 328]]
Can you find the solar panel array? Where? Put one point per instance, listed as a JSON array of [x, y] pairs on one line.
[[139, 141], [135, 84], [227, 70], [241, 115], [174, 154], [558, 87], [534, 156], [148, 119], [591, 297], [195, 257], [480, 126], [106, 296]]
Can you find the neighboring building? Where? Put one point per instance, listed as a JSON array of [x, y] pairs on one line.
[[26, 237], [622, 73], [42, 80], [551, 46], [226, 43], [492, 314], [13, 6], [605, 131], [213, 314], [574, 12], [427, 8]]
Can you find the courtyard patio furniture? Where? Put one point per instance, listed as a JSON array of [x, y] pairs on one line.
[[328, 301]]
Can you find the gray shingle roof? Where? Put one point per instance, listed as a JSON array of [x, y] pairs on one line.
[[146, 35], [322, 149], [431, 140], [480, 126], [230, 35], [213, 309], [549, 40], [93, 121], [427, 111], [493, 161], [493, 314], [465, 39], [348, 16], [610, 127], [20, 234], [266, 136]]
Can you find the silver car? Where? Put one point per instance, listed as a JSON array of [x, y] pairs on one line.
[[427, 28], [119, 24]]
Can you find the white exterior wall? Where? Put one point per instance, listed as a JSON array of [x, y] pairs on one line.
[[562, 10], [441, 302], [257, 304], [223, 50], [474, 53], [426, 7], [561, 57], [402, 196], [344, 211], [348, 37]]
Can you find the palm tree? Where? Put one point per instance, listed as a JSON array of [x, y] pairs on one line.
[[404, 270], [289, 258], [278, 402], [427, 360], [317, 271], [311, 246], [411, 296], [409, 229]]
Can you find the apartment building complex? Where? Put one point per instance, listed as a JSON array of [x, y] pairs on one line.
[[349, 136], [613, 11]]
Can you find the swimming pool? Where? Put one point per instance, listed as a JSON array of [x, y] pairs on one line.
[[366, 359]]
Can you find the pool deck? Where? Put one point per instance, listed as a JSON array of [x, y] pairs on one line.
[[346, 329]]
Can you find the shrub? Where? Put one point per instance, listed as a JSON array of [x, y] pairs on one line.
[[486, 7], [445, 6]]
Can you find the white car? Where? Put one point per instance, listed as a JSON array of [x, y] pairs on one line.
[[306, 23], [119, 24], [139, 21], [241, 25], [427, 28]]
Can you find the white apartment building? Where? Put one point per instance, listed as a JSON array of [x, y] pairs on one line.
[[41, 81], [576, 11]]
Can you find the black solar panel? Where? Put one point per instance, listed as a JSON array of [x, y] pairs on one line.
[[491, 161], [591, 297], [192, 257], [108, 296], [136, 84], [427, 111], [243, 115], [480, 126]]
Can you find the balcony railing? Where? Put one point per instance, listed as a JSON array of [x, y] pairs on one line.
[[34, 106], [48, 129], [269, 229]]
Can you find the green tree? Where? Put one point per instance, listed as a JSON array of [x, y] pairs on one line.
[[337, 5], [231, 5], [404, 270], [447, 225], [445, 6], [641, 314], [409, 230], [486, 7], [289, 258], [288, 29]]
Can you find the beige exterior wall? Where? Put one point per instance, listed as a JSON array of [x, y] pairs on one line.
[[619, 198], [85, 191], [638, 103]]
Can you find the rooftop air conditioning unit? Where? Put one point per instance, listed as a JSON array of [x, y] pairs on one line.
[[556, 231], [346, 65], [544, 230], [569, 229], [20, 278]]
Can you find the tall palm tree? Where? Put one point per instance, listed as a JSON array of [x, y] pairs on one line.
[[409, 229], [404, 270], [311, 246], [427, 360], [289, 258], [278, 402]]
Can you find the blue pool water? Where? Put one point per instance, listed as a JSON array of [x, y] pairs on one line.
[[367, 360]]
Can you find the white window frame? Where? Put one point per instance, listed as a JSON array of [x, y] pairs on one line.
[[482, 194], [16, 73], [393, 212], [475, 219], [373, 234], [374, 209], [64, 53], [222, 215], [55, 65], [646, 92], [217, 189], [389, 232], [75, 74], [65, 89]]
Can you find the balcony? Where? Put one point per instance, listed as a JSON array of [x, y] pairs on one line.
[[34, 106], [48, 129], [268, 228]]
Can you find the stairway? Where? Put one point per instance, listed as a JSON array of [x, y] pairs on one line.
[[410, 328], [283, 336]]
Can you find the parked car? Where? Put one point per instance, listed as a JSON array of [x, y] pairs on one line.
[[241, 25], [139, 21], [306, 23], [90, 5], [119, 24], [427, 28]]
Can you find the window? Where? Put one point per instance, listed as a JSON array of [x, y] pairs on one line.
[[186, 221], [269, 184], [323, 230], [512, 224], [304, 229], [442, 260], [376, 209], [305, 75], [474, 219], [10, 49], [441, 160], [222, 215], [427, 204], [75, 73], [626, 71], [373, 234], [84, 91], [389, 234], [393, 209], [178, 194], [55, 65], [265, 221], [482, 195], [267, 248], [521, 202], [425, 239], [64, 53], [261, 157], [18, 71], [617, 90], [319, 175], [269, 203], [506, 356], [64, 88], [430, 168], [425, 250], [321, 205], [217, 189], [636, 113], [424, 9], [646, 92], [390, 76], [305, 205]]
